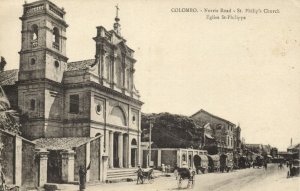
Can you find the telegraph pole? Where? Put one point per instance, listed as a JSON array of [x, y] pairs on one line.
[[150, 135]]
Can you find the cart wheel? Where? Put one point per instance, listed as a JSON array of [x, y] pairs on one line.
[[151, 179]]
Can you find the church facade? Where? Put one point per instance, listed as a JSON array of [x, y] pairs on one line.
[[88, 98]]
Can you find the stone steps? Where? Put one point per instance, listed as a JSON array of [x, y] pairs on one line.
[[121, 174]]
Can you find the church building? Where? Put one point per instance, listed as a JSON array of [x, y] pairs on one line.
[[83, 99]]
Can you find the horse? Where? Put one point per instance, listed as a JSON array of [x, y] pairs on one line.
[[185, 174]]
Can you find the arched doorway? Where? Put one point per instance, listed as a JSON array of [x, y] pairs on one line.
[[133, 153]]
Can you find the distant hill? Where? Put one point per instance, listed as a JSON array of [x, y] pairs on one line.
[[171, 131]]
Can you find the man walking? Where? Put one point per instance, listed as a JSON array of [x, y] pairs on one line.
[[82, 177], [140, 176]]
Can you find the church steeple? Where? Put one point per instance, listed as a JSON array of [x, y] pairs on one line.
[[117, 26]]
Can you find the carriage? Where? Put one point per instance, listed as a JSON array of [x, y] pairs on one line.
[[258, 162], [4, 187], [185, 174], [294, 168], [226, 162], [146, 174]]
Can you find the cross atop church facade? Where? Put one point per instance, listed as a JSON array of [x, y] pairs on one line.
[[117, 11], [117, 26]]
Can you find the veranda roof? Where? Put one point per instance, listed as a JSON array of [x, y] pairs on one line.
[[65, 143]]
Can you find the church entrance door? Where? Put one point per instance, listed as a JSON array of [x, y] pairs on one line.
[[133, 153], [116, 157]]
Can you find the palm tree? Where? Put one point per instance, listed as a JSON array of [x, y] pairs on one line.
[[9, 118]]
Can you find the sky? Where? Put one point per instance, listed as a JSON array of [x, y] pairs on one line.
[[247, 72]]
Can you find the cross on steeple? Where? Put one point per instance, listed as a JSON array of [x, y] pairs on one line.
[[117, 11], [117, 26]]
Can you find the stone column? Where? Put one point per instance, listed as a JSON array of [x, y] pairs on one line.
[[120, 149], [18, 161], [106, 138], [129, 152], [125, 151], [43, 157], [111, 149], [158, 158], [193, 165], [104, 167], [67, 163]]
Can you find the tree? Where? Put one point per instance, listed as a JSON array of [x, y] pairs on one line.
[[171, 131], [9, 118]]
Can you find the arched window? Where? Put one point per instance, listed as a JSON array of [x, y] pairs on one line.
[[55, 38], [34, 32], [55, 35], [118, 116], [133, 142]]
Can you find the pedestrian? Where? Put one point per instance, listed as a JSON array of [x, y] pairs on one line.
[[163, 168], [140, 176], [168, 168], [82, 177], [266, 165]]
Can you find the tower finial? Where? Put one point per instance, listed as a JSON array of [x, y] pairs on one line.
[[117, 26], [117, 11], [117, 19]]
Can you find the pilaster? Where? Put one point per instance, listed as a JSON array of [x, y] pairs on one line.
[[158, 158], [68, 165], [111, 149], [43, 157], [88, 160]]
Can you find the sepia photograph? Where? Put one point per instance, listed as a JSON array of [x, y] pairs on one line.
[[149, 95]]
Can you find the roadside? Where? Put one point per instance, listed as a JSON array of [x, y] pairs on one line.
[[271, 179]]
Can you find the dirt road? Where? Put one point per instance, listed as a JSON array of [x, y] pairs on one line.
[[272, 179]]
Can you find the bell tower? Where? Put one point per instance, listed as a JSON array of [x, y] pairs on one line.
[[43, 51], [42, 64]]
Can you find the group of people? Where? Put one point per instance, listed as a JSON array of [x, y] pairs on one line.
[[166, 168]]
